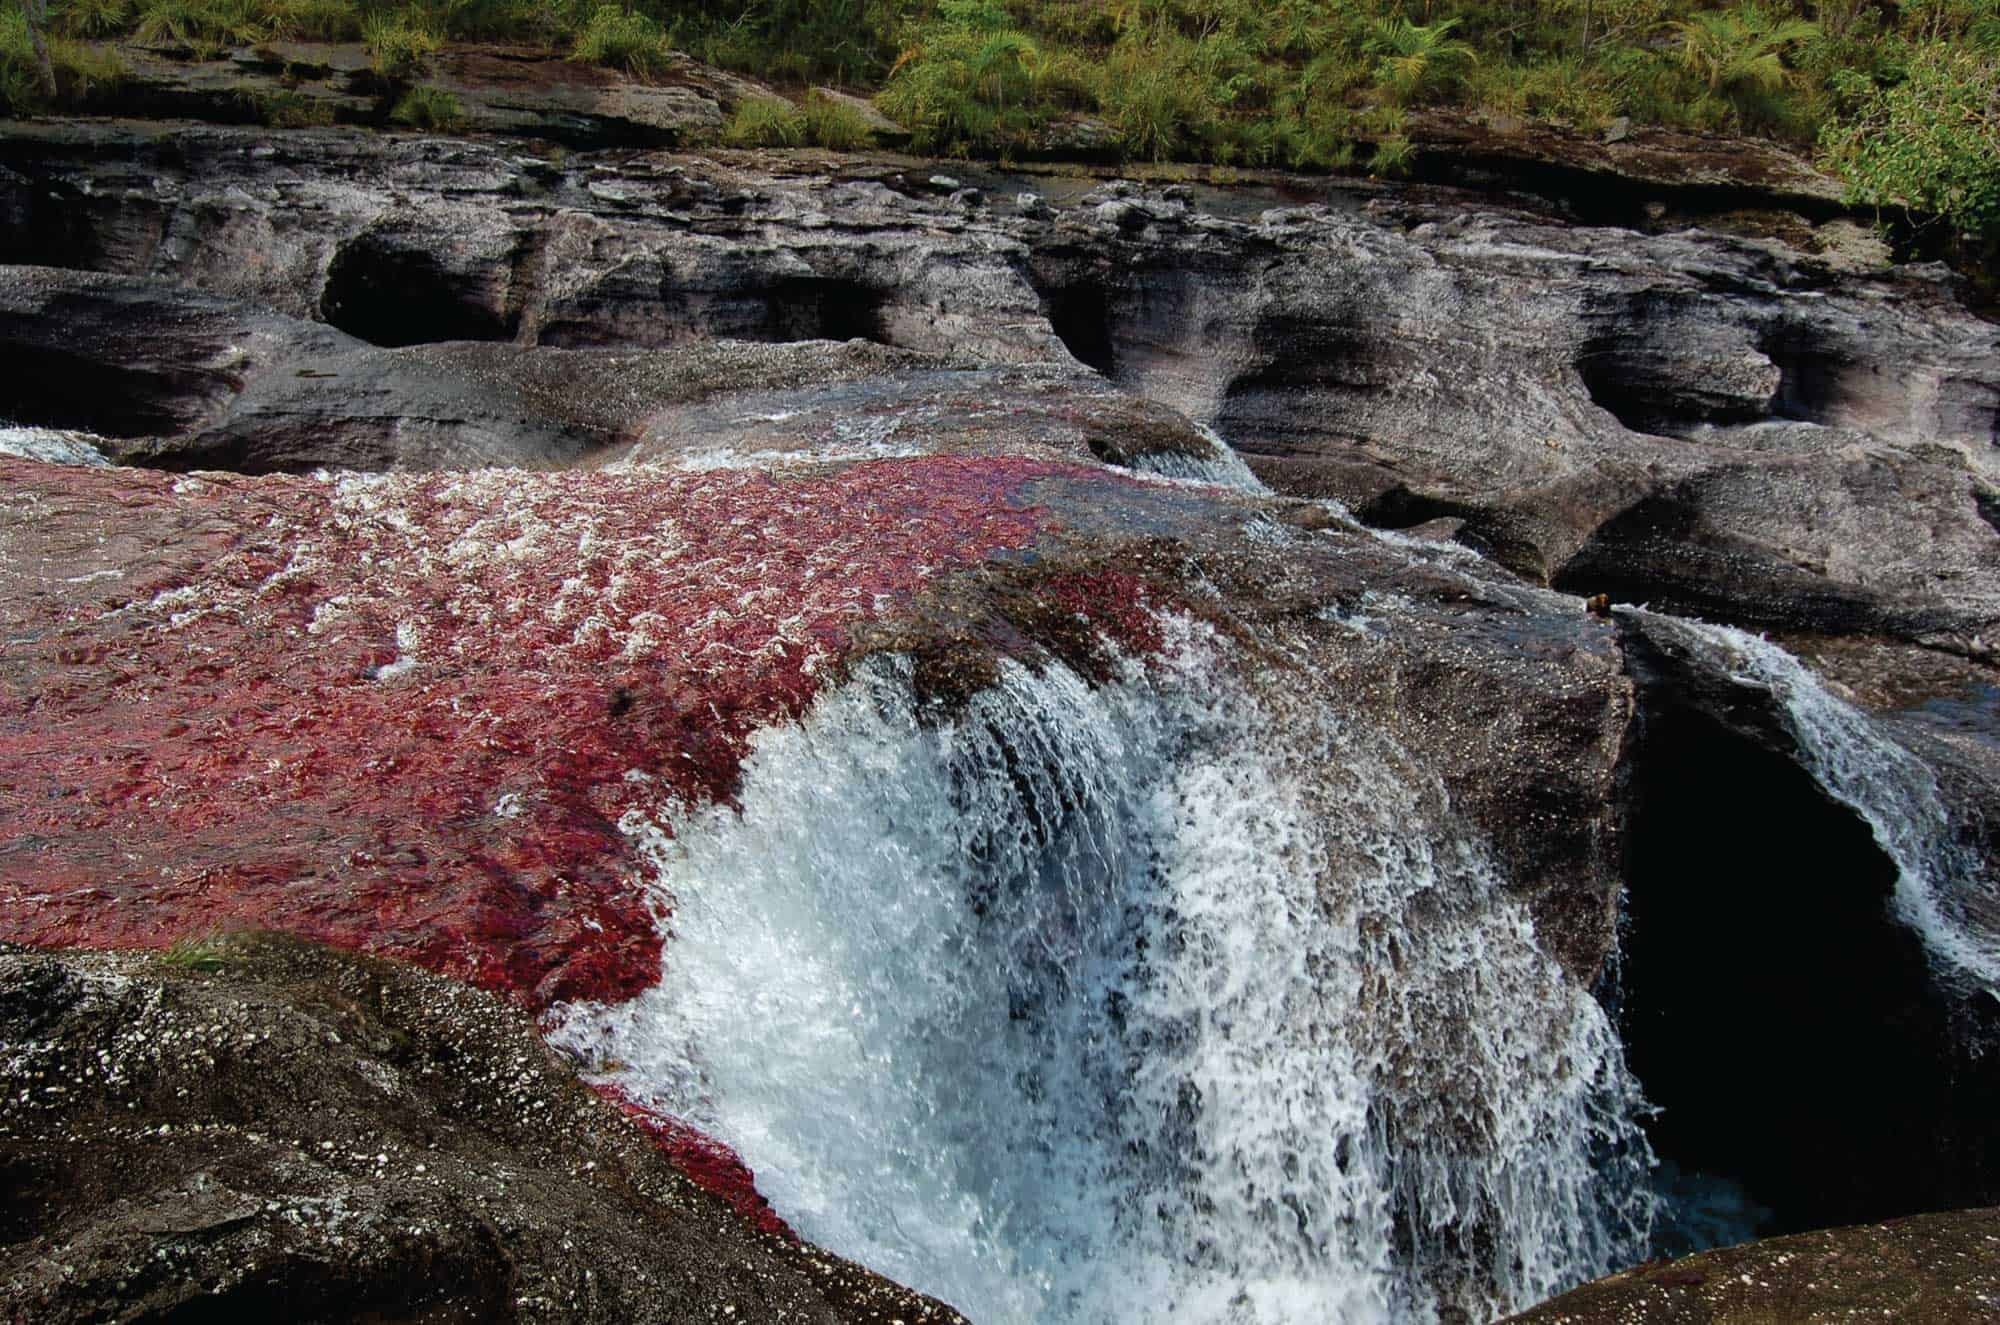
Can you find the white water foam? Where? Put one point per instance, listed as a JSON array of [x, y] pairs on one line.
[[1226, 468], [51, 446], [1940, 875], [1131, 1004]]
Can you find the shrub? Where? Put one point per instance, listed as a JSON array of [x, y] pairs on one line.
[[1566, 89], [91, 18], [1929, 142], [206, 27], [1392, 156], [429, 107], [1739, 56], [1413, 60], [78, 68], [508, 20], [399, 45], [317, 20], [765, 122], [288, 109], [833, 124], [207, 955], [969, 81], [623, 39], [19, 82]]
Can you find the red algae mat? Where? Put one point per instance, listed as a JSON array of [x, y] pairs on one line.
[[407, 714]]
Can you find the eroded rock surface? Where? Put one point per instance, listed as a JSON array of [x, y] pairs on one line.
[[256, 1127], [673, 445], [1710, 424]]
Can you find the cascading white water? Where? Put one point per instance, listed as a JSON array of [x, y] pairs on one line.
[[50, 445], [1131, 1003], [1939, 874], [1226, 468]]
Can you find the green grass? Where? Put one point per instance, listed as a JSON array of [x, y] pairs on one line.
[[1252, 82], [288, 109], [830, 124], [765, 122], [399, 44], [208, 954], [430, 108], [80, 68], [622, 39]]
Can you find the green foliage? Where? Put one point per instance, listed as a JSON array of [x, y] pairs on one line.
[[317, 20], [207, 955], [289, 109], [1392, 156], [1929, 142], [18, 80], [427, 107], [833, 124], [1414, 61], [969, 80], [399, 45], [845, 42], [79, 68], [1160, 98], [623, 39], [1893, 92], [766, 122], [208, 28], [1564, 90], [1739, 56], [90, 18]]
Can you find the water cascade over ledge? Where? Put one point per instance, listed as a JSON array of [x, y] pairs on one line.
[[1942, 882], [1135, 1002]]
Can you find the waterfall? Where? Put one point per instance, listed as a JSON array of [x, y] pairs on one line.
[[1226, 468], [1158, 1000], [1941, 877]]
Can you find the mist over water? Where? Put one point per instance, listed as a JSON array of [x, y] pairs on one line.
[[1136, 1002]]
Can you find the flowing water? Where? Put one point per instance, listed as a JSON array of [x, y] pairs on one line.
[[1226, 468], [1134, 1002], [49, 445], [1941, 877]]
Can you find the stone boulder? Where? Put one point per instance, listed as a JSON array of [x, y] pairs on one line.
[[253, 1126], [1936, 1269]]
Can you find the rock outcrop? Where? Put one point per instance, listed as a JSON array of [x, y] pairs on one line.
[[1928, 1270], [253, 1127], [1709, 424], [477, 508]]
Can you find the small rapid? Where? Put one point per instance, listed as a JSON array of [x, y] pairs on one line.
[[1167, 999], [1941, 877]]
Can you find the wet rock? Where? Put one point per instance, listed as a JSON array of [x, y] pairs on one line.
[[187, 381], [1522, 706], [1053, 409], [252, 1125], [1792, 845], [129, 358], [1695, 420], [1935, 1269]]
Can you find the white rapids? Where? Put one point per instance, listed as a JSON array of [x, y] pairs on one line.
[[1940, 875], [1131, 1003], [52, 446]]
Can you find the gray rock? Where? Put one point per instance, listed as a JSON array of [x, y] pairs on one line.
[[1685, 418]]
